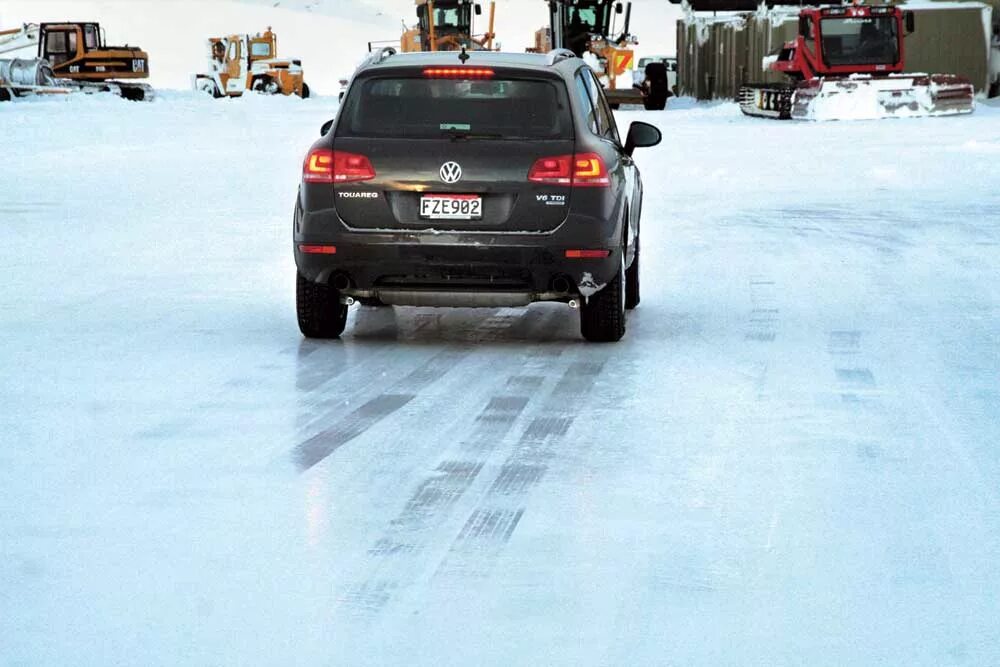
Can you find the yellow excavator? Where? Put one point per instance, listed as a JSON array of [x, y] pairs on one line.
[[447, 25], [73, 57]]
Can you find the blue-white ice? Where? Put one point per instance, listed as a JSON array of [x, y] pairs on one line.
[[790, 460]]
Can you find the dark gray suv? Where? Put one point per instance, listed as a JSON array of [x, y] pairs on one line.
[[479, 179]]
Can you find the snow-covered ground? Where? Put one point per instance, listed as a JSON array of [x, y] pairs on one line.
[[791, 458]]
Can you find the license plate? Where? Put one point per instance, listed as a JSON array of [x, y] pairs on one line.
[[451, 207]]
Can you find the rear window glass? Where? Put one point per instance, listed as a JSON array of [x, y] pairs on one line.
[[431, 108]]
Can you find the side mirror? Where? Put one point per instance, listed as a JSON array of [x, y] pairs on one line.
[[326, 128], [479, 9], [641, 135], [910, 20], [805, 27]]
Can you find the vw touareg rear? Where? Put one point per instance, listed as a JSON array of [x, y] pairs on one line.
[[476, 180]]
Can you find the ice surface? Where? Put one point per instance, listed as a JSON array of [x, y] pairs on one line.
[[790, 459]]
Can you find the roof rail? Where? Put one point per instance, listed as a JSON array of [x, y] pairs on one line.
[[557, 55], [377, 54]]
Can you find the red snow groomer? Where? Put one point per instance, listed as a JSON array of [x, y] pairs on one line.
[[847, 63]]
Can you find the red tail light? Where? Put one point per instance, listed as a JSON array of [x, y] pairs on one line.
[[583, 170], [552, 170], [458, 73], [326, 166]]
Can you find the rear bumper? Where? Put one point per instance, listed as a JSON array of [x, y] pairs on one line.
[[456, 268]]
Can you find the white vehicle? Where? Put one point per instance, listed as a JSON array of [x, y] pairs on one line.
[[639, 73]]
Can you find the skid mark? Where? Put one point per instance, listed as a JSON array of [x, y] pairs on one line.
[[577, 379], [398, 551], [451, 480], [503, 409], [763, 320], [315, 449], [496, 525], [517, 478], [541, 428], [525, 382], [319, 446], [488, 528], [858, 377], [844, 342]]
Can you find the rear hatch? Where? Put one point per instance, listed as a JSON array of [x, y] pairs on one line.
[[452, 148]]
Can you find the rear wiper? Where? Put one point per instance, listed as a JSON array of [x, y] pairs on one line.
[[457, 135]]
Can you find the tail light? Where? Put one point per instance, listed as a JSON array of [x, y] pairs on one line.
[[589, 171], [325, 166], [458, 73], [582, 170], [552, 170]]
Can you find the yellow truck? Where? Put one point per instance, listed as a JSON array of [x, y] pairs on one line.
[[241, 63]]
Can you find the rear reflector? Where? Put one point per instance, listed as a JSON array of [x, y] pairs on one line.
[[583, 170], [318, 249], [587, 254], [458, 73], [325, 166]]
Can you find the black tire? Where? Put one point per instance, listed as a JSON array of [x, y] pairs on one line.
[[632, 281], [602, 316], [4, 95], [320, 313], [305, 91], [657, 86]]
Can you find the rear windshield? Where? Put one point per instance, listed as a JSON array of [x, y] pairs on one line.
[[422, 108]]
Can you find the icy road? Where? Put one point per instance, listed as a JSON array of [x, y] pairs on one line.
[[793, 458]]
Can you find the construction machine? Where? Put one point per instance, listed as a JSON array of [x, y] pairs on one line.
[[848, 63], [19, 39], [239, 63], [587, 28], [448, 25], [72, 57], [78, 52]]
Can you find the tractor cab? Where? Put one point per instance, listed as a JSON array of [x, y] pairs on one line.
[[576, 26], [447, 25], [262, 46], [78, 51], [61, 42]]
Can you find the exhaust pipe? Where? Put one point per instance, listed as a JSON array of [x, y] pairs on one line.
[[340, 282], [574, 304], [561, 284]]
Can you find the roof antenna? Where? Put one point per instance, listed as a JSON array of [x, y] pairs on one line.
[[463, 56]]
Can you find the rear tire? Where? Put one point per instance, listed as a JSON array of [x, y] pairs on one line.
[[632, 281], [658, 87], [305, 91], [602, 316], [320, 313], [4, 95]]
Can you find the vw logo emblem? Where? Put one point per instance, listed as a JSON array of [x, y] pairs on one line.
[[451, 172]]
